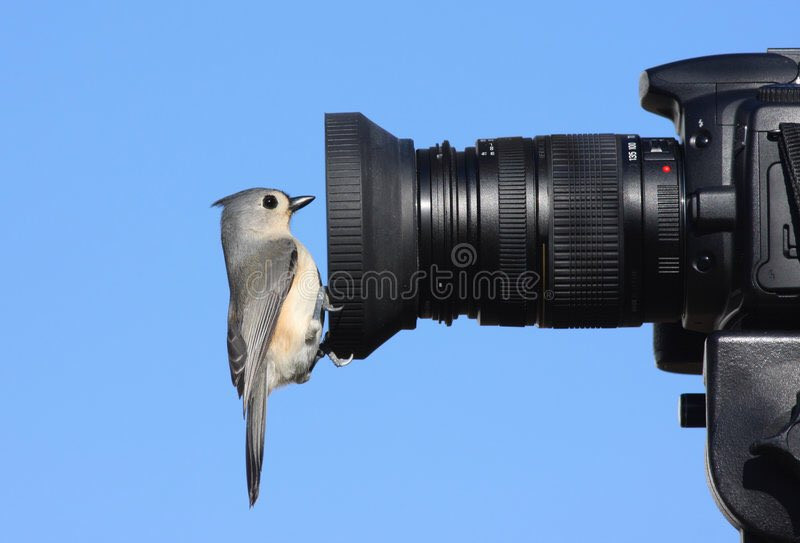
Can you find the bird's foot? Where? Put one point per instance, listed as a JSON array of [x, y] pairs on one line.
[[326, 305], [331, 308], [325, 350], [338, 362]]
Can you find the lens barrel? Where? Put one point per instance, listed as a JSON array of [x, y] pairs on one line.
[[476, 222], [559, 231]]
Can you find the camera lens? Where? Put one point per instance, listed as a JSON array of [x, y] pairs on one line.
[[559, 231]]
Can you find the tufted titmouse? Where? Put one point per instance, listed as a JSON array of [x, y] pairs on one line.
[[277, 307]]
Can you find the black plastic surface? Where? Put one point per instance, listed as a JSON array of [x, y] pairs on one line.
[[600, 230], [678, 350], [713, 209], [752, 380], [783, 447], [692, 410], [789, 148], [372, 233], [664, 90]]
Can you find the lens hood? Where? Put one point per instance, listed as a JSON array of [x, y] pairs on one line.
[[372, 233]]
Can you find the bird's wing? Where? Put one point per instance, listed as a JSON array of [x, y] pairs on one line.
[[237, 349], [259, 286]]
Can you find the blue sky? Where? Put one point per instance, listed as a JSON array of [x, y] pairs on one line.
[[120, 124]]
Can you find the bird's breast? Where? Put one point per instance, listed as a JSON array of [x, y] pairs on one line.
[[290, 350]]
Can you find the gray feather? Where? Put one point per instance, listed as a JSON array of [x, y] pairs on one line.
[[237, 350], [259, 280], [256, 423], [261, 284]]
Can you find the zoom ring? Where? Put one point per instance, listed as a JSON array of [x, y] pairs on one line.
[[585, 243]]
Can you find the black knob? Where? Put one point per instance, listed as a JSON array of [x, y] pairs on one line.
[[693, 410], [713, 209], [784, 446]]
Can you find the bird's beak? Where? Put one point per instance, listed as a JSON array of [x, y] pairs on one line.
[[299, 202]]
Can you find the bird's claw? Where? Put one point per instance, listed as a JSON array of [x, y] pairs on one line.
[[325, 350], [326, 304], [338, 362]]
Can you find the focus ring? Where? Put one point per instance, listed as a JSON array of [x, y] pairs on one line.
[[585, 232], [512, 212], [507, 230]]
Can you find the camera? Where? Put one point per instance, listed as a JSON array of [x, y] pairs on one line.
[[697, 235]]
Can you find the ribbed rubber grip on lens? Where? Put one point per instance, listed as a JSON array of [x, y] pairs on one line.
[[345, 230], [511, 215], [585, 246], [372, 233]]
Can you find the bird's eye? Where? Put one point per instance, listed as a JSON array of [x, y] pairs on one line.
[[270, 202]]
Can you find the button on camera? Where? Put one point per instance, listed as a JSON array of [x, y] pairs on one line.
[[701, 139]]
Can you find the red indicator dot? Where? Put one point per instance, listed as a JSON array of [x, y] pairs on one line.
[[666, 168]]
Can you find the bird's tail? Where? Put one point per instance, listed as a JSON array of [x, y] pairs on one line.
[[256, 423]]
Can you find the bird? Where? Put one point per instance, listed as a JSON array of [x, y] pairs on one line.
[[276, 310]]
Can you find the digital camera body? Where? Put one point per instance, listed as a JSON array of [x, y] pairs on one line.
[[698, 236], [741, 265]]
